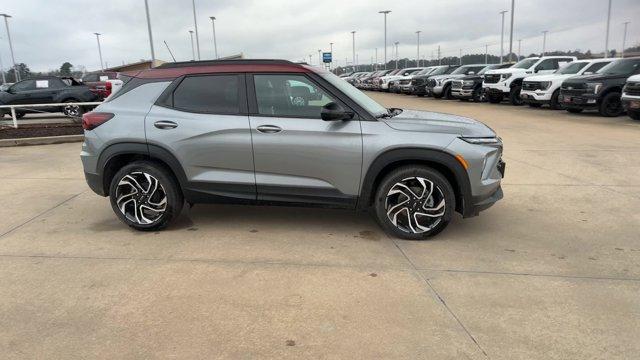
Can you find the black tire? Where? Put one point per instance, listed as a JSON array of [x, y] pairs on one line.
[[442, 192], [446, 92], [20, 115], [574, 110], [611, 105], [635, 115], [535, 105], [476, 96], [514, 95], [494, 99], [420, 95], [436, 96], [166, 183], [72, 110], [554, 103]]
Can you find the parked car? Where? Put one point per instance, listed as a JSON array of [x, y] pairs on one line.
[[405, 82], [5, 86], [99, 84], [395, 85], [375, 81], [419, 82], [230, 131], [545, 89], [631, 97], [469, 87], [48, 90], [601, 91], [352, 78], [502, 83], [384, 81], [439, 86]]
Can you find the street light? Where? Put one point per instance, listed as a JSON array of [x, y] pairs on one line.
[[319, 58], [511, 31], [193, 51], [4, 79], [519, 52], [624, 37], [215, 45], [153, 54], [99, 50], [544, 41], [418, 58], [502, 37], [195, 25], [331, 51], [397, 56], [13, 59], [353, 35], [606, 41], [385, 12]]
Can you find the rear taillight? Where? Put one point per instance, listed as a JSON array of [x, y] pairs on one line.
[[92, 120], [108, 87]]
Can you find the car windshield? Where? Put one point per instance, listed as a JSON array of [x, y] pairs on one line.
[[621, 67], [525, 64], [572, 68], [487, 68], [460, 70], [424, 71], [439, 70], [354, 94]]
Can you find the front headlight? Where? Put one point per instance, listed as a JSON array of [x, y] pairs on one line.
[[482, 140], [505, 76], [594, 87], [544, 85]]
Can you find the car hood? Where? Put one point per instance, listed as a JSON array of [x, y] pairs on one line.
[[506, 71], [427, 121], [548, 77], [597, 77]]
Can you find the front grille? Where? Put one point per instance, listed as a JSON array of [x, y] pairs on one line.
[[492, 78], [456, 85], [431, 83], [530, 85], [632, 89], [416, 82], [405, 82], [574, 86]]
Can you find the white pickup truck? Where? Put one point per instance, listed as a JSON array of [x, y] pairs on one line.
[[501, 83], [545, 89], [631, 97]]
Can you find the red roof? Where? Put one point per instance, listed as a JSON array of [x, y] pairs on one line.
[[174, 72]]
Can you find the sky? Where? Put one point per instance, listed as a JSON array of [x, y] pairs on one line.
[[46, 33]]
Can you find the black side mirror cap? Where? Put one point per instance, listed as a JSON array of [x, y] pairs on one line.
[[335, 112]]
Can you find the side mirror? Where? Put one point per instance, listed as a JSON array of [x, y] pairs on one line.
[[334, 112]]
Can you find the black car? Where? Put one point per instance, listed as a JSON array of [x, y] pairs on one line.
[[600, 91], [47, 90], [470, 86], [419, 82]]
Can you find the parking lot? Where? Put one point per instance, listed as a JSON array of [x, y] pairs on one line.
[[550, 272]]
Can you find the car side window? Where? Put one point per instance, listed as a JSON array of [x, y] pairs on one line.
[[24, 85], [215, 94], [595, 67], [289, 96], [548, 64], [56, 84]]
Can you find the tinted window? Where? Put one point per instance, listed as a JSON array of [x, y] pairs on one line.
[[56, 84], [289, 95], [90, 78], [548, 64], [24, 85], [217, 94], [621, 67], [572, 68], [594, 68]]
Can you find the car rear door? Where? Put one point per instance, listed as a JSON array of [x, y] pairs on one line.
[[202, 121], [298, 156]]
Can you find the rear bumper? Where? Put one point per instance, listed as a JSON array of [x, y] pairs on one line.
[[95, 183]]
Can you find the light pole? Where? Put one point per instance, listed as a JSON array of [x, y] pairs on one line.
[[397, 56], [193, 51], [624, 37], [544, 41], [502, 37], [153, 54], [486, 54], [606, 41], [13, 59], [353, 34], [519, 53], [511, 31], [99, 50], [439, 59], [195, 25], [418, 57], [385, 12], [310, 57], [460, 58], [319, 58], [4, 79], [331, 51], [215, 45]]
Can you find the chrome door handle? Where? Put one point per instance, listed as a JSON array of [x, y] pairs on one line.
[[269, 129], [164, 124]]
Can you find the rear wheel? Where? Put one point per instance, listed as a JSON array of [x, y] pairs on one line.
[[514, 95], [611, 106], [414, 202], [145, 196]]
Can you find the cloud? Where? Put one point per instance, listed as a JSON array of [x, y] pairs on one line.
[[47, 33]]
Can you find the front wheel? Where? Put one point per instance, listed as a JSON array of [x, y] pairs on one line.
[[145, 196], [446, 93], [611, 106], [635, 115], [494, 99], [535, 105], [477, 95], [514, 95], [414, 203], [574, 110], [554, 103], [72, 110]]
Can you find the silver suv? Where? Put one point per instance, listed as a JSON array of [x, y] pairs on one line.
[[277, 133]]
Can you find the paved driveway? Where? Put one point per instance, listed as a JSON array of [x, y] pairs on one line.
[[550, 272]]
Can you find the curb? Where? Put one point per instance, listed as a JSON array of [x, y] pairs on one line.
[[45, 140]]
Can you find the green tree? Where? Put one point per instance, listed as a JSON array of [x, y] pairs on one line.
[[23, 71], [65, 69]]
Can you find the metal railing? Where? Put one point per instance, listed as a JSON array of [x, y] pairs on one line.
[[28, 107]]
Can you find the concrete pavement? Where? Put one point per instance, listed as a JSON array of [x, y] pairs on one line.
[[550, 272]]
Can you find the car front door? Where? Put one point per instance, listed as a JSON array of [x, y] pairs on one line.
[[298, 156], [202, 121], [22, 92]]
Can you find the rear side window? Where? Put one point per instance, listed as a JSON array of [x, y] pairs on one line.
[[217, 94]]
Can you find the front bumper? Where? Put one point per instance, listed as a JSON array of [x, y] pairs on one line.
[[630, 103], [537, 96], [579, 101], [481, 203], [462, 93], [497, 88]]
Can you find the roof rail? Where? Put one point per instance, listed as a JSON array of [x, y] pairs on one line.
[[180, 64]]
